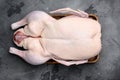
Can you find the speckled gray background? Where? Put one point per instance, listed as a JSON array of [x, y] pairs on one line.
[[107, 68]]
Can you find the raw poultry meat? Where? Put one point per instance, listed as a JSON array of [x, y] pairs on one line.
[[72, 39]]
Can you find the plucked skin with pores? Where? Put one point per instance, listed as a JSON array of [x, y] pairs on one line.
[[72, 39]]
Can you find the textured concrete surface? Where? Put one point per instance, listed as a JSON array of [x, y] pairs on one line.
[[107, 68]]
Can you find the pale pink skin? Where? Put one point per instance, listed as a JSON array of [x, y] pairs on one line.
[[75, 37]]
